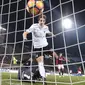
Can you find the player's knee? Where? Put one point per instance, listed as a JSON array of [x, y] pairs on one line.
[[39, 59]]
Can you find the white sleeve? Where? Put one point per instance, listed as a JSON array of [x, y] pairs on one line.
[[47, 30], [30, 29]]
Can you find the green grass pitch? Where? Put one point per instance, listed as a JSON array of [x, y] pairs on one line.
[[11, 79]]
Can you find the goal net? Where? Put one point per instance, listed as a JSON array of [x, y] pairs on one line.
[[66, 20]]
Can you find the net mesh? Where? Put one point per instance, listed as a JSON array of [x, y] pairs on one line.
[[15, 53]]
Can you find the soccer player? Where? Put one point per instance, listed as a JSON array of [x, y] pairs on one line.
[[79, 71], [39, 31], [59, 63]]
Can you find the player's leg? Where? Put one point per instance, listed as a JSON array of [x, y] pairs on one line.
[[59, 69], [62, 71], [39, 59], [41, 66]]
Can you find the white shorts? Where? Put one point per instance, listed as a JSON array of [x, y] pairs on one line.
[[61, 66], [79, 72]]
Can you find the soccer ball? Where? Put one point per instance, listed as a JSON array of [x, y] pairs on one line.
[[35, 6]]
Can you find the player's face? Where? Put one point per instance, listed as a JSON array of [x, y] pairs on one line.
[[42, 21], [60, 54]]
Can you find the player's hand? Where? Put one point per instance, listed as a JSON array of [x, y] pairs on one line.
[[24, 39], [54, 35], [24, 36]]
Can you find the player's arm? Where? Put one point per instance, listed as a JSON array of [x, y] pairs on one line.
[[27, 8], [55, 55], [30, 30], [51, 34], [63, 58], [56, 61], [25, 35], [66, 59], [48, 32]]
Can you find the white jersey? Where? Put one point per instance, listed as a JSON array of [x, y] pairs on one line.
[[39, 35]]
